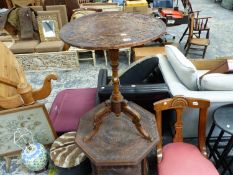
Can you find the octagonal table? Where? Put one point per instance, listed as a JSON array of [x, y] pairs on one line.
[[117, 148]]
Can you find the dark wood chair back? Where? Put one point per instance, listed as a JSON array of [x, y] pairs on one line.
[[191, 26], [179, 103]]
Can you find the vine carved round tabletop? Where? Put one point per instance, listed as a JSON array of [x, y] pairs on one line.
[[112, 30]]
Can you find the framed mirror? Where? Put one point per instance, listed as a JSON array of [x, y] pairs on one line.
[[48, 27]]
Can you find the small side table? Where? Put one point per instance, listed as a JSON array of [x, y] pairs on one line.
[[221, 146]]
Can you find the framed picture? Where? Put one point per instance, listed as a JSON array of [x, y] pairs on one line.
[[48, 27], [34, 117]]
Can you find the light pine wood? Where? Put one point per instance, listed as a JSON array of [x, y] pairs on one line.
[[14, 89], [11, 71], [208, 64]]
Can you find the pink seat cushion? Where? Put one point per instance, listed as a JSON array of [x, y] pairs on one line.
[[69, 105], [184, 159]]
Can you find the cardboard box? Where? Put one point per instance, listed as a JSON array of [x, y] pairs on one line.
[[136, 3], [136, 9]]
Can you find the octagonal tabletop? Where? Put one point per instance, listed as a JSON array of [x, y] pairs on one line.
[[117, 142], [112, 30]]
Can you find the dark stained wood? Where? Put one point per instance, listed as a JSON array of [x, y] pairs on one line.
[[178, 103], [112, 30], [117, 143]]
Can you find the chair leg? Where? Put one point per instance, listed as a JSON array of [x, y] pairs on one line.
[[186, 44], [105, 57], [93, 56], [183, 34], [203, 56], [187, 49]]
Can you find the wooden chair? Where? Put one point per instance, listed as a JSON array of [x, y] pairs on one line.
[[15, 91], [204, 42], [198, 27], [180, 158]]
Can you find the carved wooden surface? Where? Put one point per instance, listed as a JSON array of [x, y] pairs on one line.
[[117, 142], [112, 30]]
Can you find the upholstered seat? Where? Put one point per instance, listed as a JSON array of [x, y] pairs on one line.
[[187, 156], [69, 105], [178, 158]]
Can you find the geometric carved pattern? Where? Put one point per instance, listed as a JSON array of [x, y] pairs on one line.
[[117, 143], [112, 30], [179, 102]]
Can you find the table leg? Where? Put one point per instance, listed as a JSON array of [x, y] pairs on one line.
[[116, 104]]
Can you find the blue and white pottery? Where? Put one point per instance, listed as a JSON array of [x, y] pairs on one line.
[[34, 157]]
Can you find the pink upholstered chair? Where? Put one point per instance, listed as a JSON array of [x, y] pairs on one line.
[[180, 158], [69, 105]]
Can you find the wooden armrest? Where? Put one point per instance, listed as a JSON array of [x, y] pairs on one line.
[[46, 89]]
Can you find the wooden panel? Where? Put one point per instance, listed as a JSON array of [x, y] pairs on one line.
[[141, 52], [11, 70], [210, 64]]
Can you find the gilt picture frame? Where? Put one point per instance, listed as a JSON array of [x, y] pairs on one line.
[[35, 118], [48, 27]]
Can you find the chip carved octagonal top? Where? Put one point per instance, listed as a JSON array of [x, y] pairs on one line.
[[112, 30], [117, 142]]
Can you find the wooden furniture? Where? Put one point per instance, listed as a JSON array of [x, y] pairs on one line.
[[200, 24], [76, 15], [15, 90], [70, 5], [220, 146], [127, 50], [178, 157], [78, 50], [117, 148], [203, 42], [100, 34], [141, 52]]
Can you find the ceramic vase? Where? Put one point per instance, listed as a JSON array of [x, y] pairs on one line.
[[34, 157]]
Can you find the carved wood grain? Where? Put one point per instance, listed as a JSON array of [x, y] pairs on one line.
[[178, 103], [46, 89]]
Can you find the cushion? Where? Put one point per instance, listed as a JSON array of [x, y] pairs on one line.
[[217, 82], [50, 46], [68, 106], [184, 68], [139, 71], [184, 159], [26, 46]]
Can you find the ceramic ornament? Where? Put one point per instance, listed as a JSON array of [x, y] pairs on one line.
[[34, 155]]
